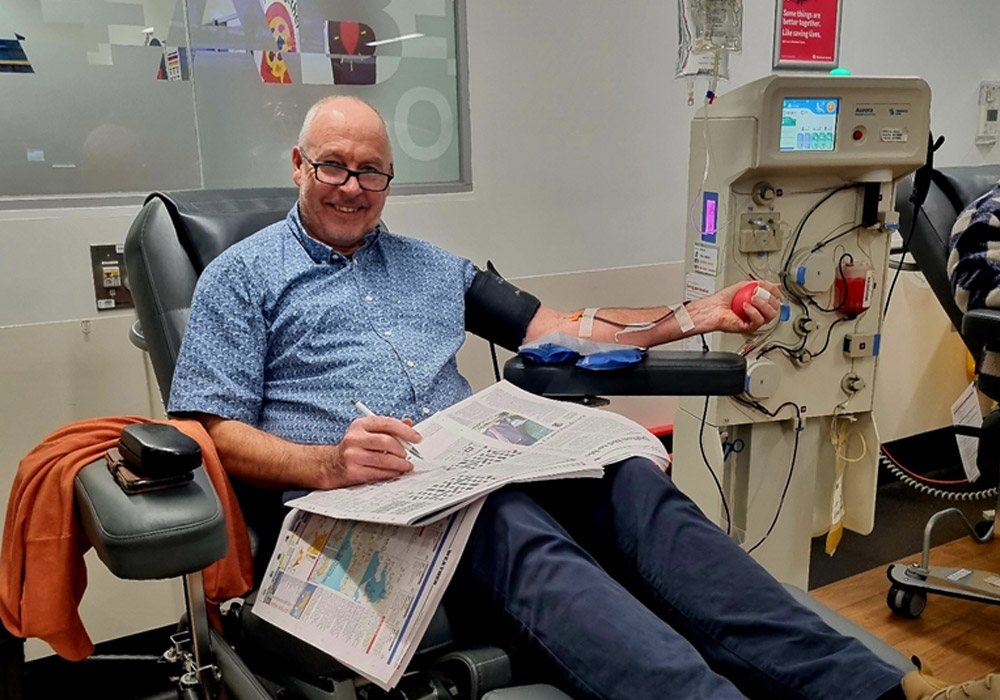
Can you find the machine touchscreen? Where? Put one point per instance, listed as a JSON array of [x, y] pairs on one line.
[[809, 124]]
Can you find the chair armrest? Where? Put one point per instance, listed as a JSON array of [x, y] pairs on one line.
[[660, 373], [527, 692], [981, 327], [155, 535]]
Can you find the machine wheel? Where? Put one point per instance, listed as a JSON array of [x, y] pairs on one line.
[[906, 603]]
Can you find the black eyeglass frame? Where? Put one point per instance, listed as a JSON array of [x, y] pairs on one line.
[[349, 173]]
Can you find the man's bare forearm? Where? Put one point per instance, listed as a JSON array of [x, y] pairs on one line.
[[655, 326], [623, 325], [267, 461]]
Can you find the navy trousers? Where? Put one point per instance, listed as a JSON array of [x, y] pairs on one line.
[[620, 588]]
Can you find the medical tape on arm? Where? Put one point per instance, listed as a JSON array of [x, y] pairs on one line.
[[587, 322], [679, 312], [683, 318]]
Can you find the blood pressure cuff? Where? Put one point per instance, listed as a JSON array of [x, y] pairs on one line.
[[498, 311]]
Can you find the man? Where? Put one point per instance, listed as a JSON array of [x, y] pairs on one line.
[[619, 587]]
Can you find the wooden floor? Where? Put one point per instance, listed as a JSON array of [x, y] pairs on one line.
[[958, 640]]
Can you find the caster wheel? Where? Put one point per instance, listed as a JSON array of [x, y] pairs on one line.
[[906, 603]]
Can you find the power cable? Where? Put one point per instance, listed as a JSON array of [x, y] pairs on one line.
[[791, 467]]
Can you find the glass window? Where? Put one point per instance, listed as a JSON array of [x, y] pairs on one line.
[[118, 96]]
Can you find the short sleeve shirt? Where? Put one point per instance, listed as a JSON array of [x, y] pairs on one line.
[[284, 332]]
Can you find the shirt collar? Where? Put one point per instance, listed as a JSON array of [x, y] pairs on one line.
[[317, 250]]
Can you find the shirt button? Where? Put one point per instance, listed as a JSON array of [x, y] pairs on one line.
[[409, 363], [388, 333], [368, 298], [425, 410]]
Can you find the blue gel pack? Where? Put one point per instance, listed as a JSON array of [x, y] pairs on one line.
[[550, 354], [614, 359]]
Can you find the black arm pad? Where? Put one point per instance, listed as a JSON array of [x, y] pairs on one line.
[[498, 311]]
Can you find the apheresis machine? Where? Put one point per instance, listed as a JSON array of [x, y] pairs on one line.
[[792, 180]]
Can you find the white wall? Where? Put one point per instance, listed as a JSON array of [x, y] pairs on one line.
[[580, 131], [579, 157]]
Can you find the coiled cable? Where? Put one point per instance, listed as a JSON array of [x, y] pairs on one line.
[[931, 486]]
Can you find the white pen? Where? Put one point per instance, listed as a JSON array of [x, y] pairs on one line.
[[365, 411]]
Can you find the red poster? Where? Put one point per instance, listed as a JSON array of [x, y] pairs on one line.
[[807, 32]]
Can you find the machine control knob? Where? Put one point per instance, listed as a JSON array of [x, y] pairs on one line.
[[763, 194], [804, 325], [762, 379], [803, 358], [852, 383]]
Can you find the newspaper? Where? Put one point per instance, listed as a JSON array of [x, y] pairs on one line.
[[362, 592], [499, 436], [358, 572]]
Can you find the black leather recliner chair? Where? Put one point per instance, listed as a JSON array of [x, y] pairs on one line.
[[169, 244], [949, 191], [175, 236], [171, 241]]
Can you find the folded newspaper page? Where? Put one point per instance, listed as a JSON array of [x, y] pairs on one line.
[[350, 577], [499, 436], [363, 593]]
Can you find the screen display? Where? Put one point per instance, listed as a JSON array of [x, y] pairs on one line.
[[809, 124]]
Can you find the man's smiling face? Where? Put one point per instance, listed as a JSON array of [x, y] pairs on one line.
[[349, 133]]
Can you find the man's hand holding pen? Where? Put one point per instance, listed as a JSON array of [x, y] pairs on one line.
[[374, 448], [407, 445]]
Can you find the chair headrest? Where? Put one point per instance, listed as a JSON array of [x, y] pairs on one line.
[[965, 184], [952, 189], [929, 236], [209, 221]]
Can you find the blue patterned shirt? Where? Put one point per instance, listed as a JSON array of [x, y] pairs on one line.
[[284, 332]]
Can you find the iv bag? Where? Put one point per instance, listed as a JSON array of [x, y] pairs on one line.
[[692, 63], [714, 25]]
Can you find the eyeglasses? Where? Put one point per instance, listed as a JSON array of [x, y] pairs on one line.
[[333, 174]]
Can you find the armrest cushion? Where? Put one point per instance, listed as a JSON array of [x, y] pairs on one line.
[[660, 373], [982, 327], [160, 534], [527, 692]]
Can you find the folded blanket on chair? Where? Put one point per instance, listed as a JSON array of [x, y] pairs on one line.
[[42, 572], [974, 271]]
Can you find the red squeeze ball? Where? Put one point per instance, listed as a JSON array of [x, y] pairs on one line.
[[743, 296]]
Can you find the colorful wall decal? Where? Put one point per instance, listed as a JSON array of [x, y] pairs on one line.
[[351, 54], [283, 23], [13, 59], [174, 63]]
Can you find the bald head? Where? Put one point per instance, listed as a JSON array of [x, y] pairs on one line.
[[343, 110]]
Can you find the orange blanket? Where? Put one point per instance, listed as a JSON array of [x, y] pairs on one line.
[[42, 572]]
